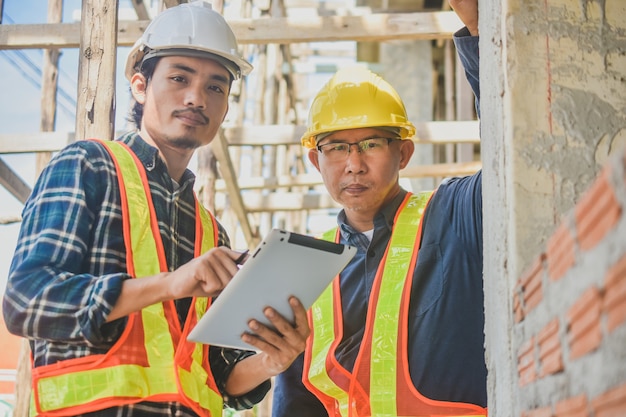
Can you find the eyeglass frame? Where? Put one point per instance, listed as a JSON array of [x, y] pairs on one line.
[[361, 150]]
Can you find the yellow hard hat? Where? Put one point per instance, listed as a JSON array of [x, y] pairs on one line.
[[354, 98], [189, 29]]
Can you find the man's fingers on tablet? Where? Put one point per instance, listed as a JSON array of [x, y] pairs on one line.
[[256, 341], [282, 326], [291, 336], [302, 322]]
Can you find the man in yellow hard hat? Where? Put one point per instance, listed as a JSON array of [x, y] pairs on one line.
[[117, 261], [400, 332]]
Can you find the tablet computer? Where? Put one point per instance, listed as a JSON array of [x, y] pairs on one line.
[[283, 264]]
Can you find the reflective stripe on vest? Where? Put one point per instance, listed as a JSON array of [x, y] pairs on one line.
[[379, 375], [400, 251], [323, 338], [148, 362]]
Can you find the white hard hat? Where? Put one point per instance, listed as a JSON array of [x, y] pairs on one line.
[[189, 29]]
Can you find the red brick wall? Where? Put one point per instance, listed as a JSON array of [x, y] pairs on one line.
[[570, 310]]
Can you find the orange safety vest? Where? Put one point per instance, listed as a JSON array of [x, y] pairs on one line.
[[380, 384], [152, 360]]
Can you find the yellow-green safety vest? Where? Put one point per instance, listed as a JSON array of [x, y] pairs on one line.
[[380, 383], [152, 360]]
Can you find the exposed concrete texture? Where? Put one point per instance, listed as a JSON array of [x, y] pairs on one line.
[[497, 210], [553, 110], [568, 106], [603, 368]]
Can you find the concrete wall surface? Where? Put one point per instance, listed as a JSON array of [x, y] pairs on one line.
[[565, 75], [570, 309], [553, 112]]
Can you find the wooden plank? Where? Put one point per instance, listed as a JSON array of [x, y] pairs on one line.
[[441, 170], [220, 149], [327, 5], [12, 220], [61, 35], [312, 200], [283, 30], [259, 135], [281, 202], [95, 109], [440, 132], [172, 3], [140, 9], [374, 27], [49, 83], [34, 142], [253, 135], [281, 181], [314, 179], [13, 183]]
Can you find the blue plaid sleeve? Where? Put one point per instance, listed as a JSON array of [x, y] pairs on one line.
[[49, 295]]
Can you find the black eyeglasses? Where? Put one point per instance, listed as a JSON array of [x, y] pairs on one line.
[[339, 151]]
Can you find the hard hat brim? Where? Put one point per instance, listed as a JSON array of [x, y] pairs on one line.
[[236, 69]]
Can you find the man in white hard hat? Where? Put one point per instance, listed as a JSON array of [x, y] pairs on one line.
[[116, 260]]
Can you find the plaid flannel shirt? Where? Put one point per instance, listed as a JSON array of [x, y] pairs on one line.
[[70, 262]]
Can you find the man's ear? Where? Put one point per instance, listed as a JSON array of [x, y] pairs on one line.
[[314, 158], [407, 147], [138, 85]]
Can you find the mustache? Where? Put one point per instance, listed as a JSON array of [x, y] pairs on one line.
[[347, 184], [194, 111]]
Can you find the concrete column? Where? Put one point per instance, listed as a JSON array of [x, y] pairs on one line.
[[497, 207]]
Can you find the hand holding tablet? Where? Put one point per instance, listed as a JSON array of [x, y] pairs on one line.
[[284, 264]]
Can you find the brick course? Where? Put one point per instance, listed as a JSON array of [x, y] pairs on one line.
[[579, 279]]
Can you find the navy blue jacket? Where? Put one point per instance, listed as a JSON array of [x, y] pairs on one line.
[[446, 317]]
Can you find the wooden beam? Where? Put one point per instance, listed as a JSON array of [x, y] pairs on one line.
[[13, 183], [140, 9], [283, 30], [95, 109], [259, 135], [172, 3], [440, 132], [281, 202], [264, 183], [314, 200], [49, 84], [314, 179], [34, 142], [220, 149], [61, 35], [253, 135], [13, 220], [441, 170]]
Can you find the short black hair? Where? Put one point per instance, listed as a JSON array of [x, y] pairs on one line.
[[147, 69]]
